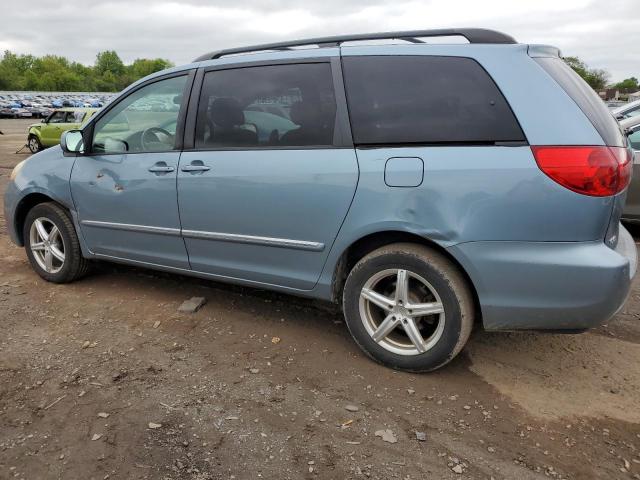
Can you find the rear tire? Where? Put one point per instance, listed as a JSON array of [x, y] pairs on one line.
[[52, 244], [34, 144], [419, 327]]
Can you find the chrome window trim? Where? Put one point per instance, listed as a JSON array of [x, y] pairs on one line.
[[217, 236]]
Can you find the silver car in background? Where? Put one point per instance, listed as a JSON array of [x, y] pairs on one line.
[[627, 110], [631, 212]]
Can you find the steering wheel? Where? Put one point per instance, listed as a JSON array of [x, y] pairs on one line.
[[153, 136]]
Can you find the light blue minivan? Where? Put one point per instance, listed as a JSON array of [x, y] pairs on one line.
[[426, 185]]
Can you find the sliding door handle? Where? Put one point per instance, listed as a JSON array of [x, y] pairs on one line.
[[195, 166]]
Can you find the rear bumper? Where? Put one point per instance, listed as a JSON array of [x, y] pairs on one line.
[[549, 285], [627, 248]]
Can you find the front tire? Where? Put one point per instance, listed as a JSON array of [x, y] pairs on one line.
[[52, 244], [34, 144], [408, 307]]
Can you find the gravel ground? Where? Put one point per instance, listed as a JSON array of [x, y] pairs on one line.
[[105, 378]]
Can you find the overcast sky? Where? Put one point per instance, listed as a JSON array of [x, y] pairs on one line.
[[604, 33]]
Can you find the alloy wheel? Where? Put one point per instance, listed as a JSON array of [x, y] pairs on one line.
[[402, 312], [47, 245]]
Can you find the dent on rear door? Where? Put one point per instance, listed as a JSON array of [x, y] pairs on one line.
[[473, 194]]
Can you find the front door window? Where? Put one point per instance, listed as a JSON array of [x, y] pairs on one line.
[[142, 122], [57, 117]]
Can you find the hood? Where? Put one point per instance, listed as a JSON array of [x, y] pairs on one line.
[[48, 155]]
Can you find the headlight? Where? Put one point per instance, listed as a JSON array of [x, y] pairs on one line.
[[16, 170]]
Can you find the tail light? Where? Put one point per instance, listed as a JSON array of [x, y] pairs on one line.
[[595, 171]]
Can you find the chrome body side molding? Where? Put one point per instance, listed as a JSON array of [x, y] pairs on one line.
[[268, 241], [217, 236], [132, 228]]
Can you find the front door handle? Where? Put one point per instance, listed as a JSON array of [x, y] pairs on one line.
[[195, 166], [161, 167]]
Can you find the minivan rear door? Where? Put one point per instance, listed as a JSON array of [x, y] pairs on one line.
[[479, 181], [270, 173]]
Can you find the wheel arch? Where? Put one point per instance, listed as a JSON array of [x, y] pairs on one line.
[[368, 243], [35, 132], [24, 206]]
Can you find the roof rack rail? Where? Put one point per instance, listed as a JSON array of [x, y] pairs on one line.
[[473, 35]]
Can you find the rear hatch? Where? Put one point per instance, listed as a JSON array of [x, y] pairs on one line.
[[617, 177]]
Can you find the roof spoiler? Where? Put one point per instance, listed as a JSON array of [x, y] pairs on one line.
[[536, 51], [473, 35]]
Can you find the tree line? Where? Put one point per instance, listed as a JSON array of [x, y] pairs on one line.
[[53, 73], [598, 79], [110, 74]]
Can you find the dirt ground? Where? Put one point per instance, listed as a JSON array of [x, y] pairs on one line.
[[104, 378]]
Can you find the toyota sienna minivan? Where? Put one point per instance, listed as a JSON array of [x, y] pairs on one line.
[[425, 186]]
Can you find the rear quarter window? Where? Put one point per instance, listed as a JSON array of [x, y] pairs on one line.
[[586, 98], [75, 117], [426, 100]]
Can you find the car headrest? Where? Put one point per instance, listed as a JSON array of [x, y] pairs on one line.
[[302, 113], [226, 112]]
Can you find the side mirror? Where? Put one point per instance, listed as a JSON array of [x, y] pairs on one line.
[[44, 120], [71, 142]]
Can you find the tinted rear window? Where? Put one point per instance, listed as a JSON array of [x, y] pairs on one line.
[[584, 96], [426, 100], [267, 106]]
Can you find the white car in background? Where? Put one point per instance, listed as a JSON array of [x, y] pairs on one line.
[[627, 110], [631, 212]]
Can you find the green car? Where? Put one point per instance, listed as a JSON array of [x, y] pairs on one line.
[[48, 132]]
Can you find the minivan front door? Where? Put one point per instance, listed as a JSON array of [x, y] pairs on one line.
[[264, 190], [124, 189]]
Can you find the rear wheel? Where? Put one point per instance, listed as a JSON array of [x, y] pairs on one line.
[[408, 307], [34, 144], [52, 244]]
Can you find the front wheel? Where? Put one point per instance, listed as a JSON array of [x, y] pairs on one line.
[[408, 307], [52, 244], [34, 144]]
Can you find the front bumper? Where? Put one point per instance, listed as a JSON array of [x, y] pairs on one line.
[[11, 197], [549, 285]]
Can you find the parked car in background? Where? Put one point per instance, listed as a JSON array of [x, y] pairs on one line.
[[39, 111], [627, 110], [631, 212], [614, 104], [6, 111], [21, 112], [47, 133], [423, 186]]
